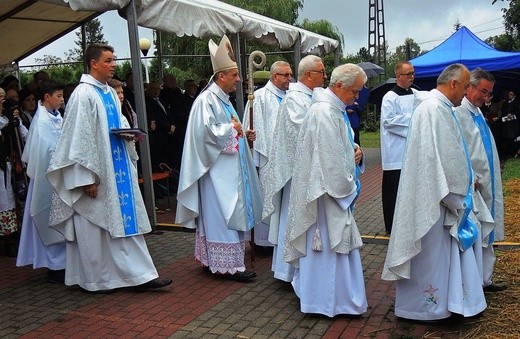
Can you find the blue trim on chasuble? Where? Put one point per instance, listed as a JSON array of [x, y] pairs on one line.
[[467, 231], [486, 140], [122, 171], [230, 111], [358, 170]]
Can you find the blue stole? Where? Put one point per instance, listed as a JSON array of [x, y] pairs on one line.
[[123, 173], [358, 170], [486, 140], [467, 231], [230, 111]]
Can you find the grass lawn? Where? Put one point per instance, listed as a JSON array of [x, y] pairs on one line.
[[511, 169], [369, 139]]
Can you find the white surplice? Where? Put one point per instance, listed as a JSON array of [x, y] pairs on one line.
[[489, 205], [276, 174], [99, 254], [434, 277], [40, 245], [265, 111], [328, 281]]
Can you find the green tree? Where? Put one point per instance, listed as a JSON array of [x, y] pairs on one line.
[[363, 54], [407, 51], [93, 34], [502, 42], [510, 41], [59, 70]]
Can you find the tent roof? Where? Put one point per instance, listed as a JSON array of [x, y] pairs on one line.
[[28, 25], [217, 18], [464, 47]]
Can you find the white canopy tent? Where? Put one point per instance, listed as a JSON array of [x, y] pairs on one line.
[[27, 25]]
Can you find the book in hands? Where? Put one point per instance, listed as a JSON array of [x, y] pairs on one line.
[[129, 134], [133, 131]]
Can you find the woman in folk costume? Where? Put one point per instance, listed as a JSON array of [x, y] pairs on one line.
[[219, 191]]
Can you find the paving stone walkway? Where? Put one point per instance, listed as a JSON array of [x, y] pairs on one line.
[[198, 305]]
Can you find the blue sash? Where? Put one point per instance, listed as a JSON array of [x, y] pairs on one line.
[[123, 173], [486, 140], [358, 170], [467, 231], [230, 111]]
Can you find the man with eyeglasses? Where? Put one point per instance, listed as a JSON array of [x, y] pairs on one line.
[[322, 239], [266, 104], [276, 177], [488, 196], [396, 112], [433, 250]]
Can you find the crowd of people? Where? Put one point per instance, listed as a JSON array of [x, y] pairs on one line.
[[297, 187]]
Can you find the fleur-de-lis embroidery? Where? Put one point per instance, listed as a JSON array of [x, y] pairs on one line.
[[127, 220], [118, 152], [120, 176], [122, 198], [110, 108]]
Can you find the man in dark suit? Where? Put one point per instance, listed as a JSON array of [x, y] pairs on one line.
[[173, 99], [161, 126], [510, 116]]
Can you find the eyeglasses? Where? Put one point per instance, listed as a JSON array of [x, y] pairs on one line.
[[409, 74], [285, 75], [322, 71], [486, 93]]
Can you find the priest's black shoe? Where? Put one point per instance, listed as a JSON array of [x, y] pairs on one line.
[[56, 276], [242, 276], [153, 284], [495, 288]]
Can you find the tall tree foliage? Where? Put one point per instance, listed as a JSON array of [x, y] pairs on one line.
[[510, 41], [93, 34]]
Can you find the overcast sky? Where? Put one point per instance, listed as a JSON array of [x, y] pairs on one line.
[[427, 22]]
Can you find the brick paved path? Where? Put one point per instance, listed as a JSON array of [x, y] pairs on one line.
[[198, 305]]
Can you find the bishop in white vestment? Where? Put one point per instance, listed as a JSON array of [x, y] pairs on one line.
[[219, 192]]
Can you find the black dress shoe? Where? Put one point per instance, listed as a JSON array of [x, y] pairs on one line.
[[242, 276], [153, 284], [494, 288], [56, 276]]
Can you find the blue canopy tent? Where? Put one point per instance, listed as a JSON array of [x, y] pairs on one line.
[[465, 47]]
